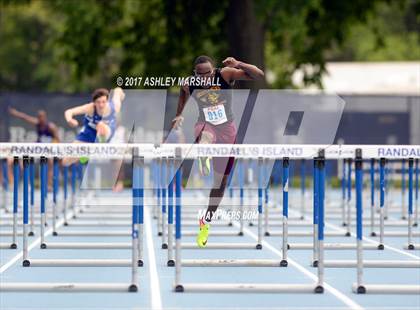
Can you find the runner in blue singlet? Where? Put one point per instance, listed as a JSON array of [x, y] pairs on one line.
[[99, 122]]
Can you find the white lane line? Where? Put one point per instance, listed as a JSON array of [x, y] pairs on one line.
[[371, 241], [34, 243], [37, 241], [346, 300], [155, 296]]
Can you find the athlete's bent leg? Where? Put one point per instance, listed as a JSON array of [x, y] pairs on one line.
[[103, 132], [67, 161], [216, 195], [206, 137]]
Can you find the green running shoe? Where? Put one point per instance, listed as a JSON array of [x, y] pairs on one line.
[[84, 160], [203, 234], [204, 165]]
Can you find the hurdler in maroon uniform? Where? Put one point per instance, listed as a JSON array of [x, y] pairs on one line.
[[215, 122]]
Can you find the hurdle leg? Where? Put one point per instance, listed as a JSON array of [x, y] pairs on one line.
[[55, 192], [25, 209], [321, 200], [159, 195], [248, 178], [44, 188], [348, 202], [410, 204], [359, 220], [164, 203], [372, 197], [382, 201], [242, 212], [178, 179], [171, 261], [266, 229], [265, 205], [388, 194], [343, 191], [32, 183], [137, 193], [260, 203], [154, 173], [267, 188], [140, 224], [15, 200], [315, 247], [241, 195], [65, 179], [283, 262]]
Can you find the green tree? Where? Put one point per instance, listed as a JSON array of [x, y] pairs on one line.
[[80, 44]]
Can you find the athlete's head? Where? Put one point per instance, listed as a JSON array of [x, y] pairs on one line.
[[203, 66], [42, 117], [100, 99]]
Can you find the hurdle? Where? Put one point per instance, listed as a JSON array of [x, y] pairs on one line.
[[66, 262], [308, 232], [359, 198], [215, 245], [239, 167], [383, 210], [327, 246], [137, 218], [245, 287], [360, 287], [80, 245]]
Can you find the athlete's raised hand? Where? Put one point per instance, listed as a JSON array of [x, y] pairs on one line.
[[118, 91], [230, 62], [73, 123]]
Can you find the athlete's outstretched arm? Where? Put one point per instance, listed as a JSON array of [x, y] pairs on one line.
[[238, 70], [81, 109], [27, 118], [118, 97]]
